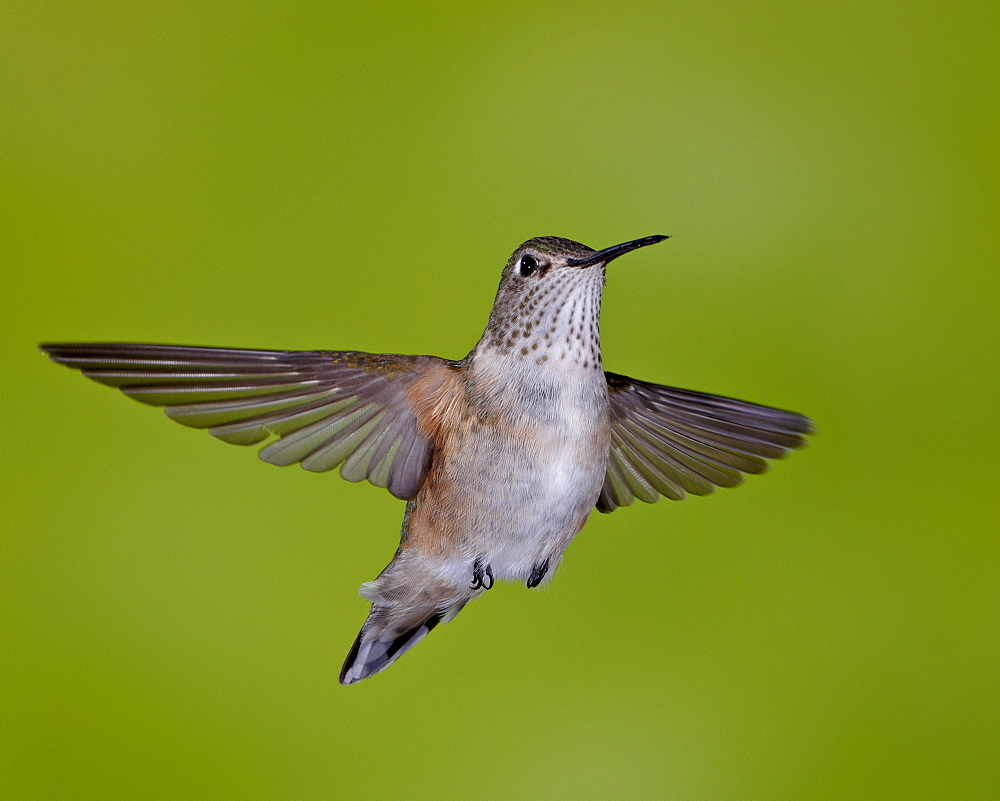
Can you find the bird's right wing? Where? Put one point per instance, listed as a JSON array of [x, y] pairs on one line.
[[325, 407]]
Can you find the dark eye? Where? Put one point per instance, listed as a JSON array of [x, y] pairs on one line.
[[527, 265]]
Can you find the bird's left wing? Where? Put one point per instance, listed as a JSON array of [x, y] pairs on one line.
[[325, 407], [670, 442]]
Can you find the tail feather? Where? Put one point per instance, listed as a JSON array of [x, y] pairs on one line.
[[384, 638]]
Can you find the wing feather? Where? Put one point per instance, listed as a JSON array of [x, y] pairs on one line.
[[671, 442], [326, 408]]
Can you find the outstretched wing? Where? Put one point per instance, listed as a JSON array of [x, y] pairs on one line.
[[325, 407], [671, 442]]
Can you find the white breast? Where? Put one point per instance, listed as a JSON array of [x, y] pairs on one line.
[[547, 457]]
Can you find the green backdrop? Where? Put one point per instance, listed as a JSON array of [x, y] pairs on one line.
[[173, 612]]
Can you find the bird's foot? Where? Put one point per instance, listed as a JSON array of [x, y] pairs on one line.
[[482, 575], [538, 572]]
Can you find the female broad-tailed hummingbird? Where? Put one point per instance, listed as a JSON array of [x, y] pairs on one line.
[[500, 456]]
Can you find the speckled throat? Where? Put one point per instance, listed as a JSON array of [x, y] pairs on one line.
[[553, 319]]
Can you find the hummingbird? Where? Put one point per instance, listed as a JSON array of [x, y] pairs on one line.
[[501, 456]]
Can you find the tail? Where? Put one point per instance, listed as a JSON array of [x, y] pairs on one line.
[[388, 633]]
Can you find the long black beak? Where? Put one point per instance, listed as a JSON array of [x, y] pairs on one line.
[[615, 251]]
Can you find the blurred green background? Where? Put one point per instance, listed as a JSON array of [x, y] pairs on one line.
[[173, 612]]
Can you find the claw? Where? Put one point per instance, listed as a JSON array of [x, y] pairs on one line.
[[538, 573], [482, 576]]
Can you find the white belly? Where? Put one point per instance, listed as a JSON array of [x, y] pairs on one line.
[[541, 480]]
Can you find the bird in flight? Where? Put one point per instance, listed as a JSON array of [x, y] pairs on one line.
[[500, 456]]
